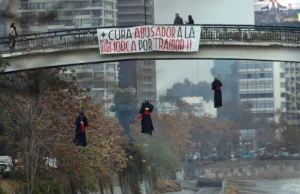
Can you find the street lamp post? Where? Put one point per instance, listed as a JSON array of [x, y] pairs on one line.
[[145, 10]]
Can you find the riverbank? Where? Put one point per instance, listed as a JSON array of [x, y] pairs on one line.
[[249, 169], [267, 186], [190, 187]]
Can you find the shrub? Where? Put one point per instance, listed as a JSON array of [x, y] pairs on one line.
[[6, 175], [2, 191]]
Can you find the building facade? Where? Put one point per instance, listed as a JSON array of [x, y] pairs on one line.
[[3, 22], [201, 107], [259, 86], [265, 86], [50, 15], [99, 80], [290, 92], [135, 12], [9, 14], [166, 108], [226, 71], [138, 74]]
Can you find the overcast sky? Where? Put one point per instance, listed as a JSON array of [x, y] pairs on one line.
[[203, 12]]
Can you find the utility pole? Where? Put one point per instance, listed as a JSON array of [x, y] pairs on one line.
[[254, 140], [145, 10]]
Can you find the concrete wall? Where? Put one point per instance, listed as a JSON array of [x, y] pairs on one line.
[[250, 169], [146, 187]]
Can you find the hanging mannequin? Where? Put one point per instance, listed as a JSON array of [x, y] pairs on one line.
[[81, 123], [146, 121], [216, 86]]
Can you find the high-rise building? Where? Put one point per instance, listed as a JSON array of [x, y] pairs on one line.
[[290, 92], [9, 13], [201, 107], [100, 80], [259, 86], [3, 24], [138, 74], [226, 71], [135, 12], [49, 15]]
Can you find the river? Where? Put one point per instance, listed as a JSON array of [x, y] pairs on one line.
[[258, 186], [268, 186]]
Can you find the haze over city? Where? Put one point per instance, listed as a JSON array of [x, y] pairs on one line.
[[149, 96]]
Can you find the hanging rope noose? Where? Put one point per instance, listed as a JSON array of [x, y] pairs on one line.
[[80, 105], [146, 79], [80, 109], [197, 72]]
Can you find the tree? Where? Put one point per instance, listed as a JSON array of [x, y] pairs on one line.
[[264, 131], [105, 145], [26, 122], [173, 129], [288, 133], [182, 132], [41, 135], [33, 82], [209, 133], [187, 88], [39, 122], [176, 132], [136, 169], [125, 108], [159, 156], [237, 112], [3, 79], [184, 107]]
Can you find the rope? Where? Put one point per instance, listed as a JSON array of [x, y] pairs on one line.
[[80, 105], [146, 80], [197, 71]]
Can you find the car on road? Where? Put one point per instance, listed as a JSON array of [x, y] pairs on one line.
[[4, 167], [6, 164]]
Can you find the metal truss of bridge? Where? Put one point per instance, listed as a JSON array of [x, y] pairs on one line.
[[80, 46]]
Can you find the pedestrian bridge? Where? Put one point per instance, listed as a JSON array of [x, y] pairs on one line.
[[80, 46]]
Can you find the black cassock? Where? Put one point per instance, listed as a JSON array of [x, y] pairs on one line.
[[146, 122], [80, 137], [216, 86]]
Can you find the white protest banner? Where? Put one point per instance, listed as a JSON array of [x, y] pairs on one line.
[[149, 38]]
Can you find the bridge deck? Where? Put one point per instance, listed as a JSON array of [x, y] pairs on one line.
[[210, 35], [80, 46]]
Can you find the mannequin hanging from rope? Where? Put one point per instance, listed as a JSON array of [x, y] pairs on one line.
[[146, 121], [81, 123], [145, 111]]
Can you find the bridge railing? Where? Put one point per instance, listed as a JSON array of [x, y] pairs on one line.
[[210, 34]]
